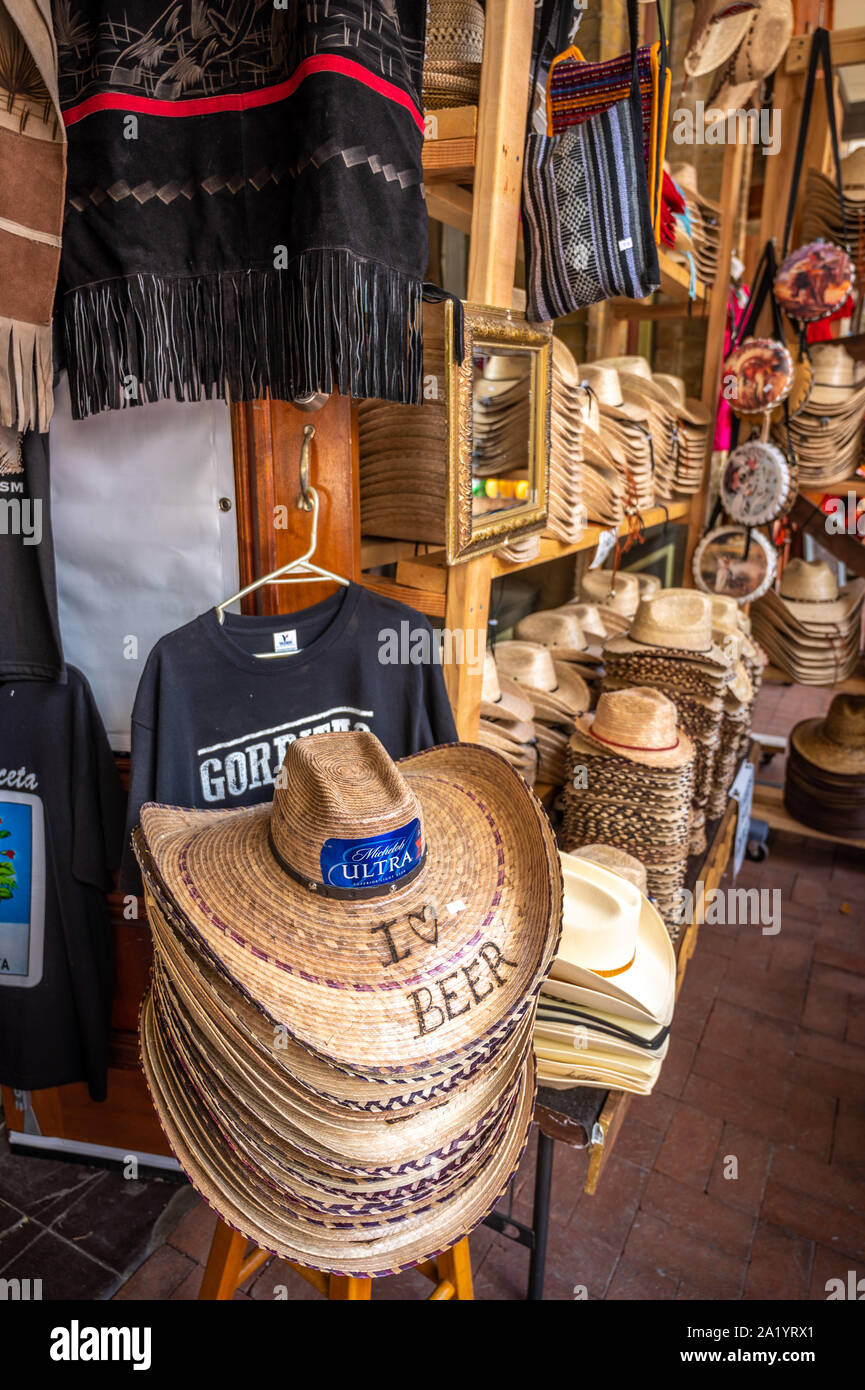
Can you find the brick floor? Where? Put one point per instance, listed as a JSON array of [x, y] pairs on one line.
[[743, 1176]]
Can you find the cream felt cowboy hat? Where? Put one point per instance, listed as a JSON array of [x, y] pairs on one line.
[[677, 620], [501, 698], [613, 940], [640, 724], [289, 899]]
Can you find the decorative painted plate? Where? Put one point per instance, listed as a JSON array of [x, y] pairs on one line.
[[814, 281], [755, 483], [736, 562]]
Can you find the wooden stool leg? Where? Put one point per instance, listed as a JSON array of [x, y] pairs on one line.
[[455, 1265], [343, 1286], [222, 1275]]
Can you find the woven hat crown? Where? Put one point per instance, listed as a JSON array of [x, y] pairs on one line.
[[677, 618], [528, 663], [337, 787], [809, 581], [639, 718], [552, 629], [620, 592], [605, 383], [845, 722]]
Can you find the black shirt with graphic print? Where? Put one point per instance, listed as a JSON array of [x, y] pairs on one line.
[[218, 704]]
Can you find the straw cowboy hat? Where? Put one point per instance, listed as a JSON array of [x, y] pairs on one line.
[[678, 620], [501, 698], [756, 56], [717, 28], [327, 907], [555, 689], [639, 724], [605, 383], [620, 592], [811, 594], [835, 743], [554, 628], [613, 939], [595, 621], [688, 407]]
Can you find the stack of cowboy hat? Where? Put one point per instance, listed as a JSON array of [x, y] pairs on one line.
[[597, 623], [561, 631], [827, 432], [811, 629], [616, 595], [626, 425], [705, 219], [506, 720], [500, 416], [604, 1014], [558, 693], [569, 417], [756, 55], [454, 53], [630, 784], [670, 646], [822, 215], [729, 621], [735, 729], [692, 421], [319, 973], [825, 776], [678, 424]]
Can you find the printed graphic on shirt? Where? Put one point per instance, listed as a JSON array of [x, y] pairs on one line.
[[22, 889], [229, 770]]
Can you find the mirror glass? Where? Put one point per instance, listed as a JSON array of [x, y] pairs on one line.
[[504, 475]]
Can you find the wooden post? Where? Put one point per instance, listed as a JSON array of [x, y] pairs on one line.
[[502, 115]]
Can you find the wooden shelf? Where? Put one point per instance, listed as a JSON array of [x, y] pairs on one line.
[[768, 805], [848, 50], [554, 550], [450, 144]]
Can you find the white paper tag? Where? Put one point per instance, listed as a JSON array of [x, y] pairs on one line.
[[626, 243], [742, 791], [606, 541], [285, 641]]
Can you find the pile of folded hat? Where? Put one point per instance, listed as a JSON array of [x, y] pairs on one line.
[[569, 415], [705, 222], [558, 693], [824, 786], [630, 782], [670, 647], [604, 1013], [730, 624], [625, 425], [826, 433], [678, 424], [563, 633], [811, 628], [822, 216], [454, 53], [506, 720], [320, 972]]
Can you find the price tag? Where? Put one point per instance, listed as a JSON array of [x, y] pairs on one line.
[[606, 541], [742, 791]]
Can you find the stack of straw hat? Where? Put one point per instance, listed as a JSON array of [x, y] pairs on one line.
[[558, 693], [320, 972], [827, 432], [597, 623], [500, 416], [454, 53], [822, 217], [670, 647], [678, 423], [604, 1014], [616, 595], [690, 431], [506, 720], [562, 633], [825, 776], [569, 418], [811, 629], [728, 621], [630, 784], [705, 217], [626, 425]]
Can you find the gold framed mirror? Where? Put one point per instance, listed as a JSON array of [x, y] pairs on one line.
[[498, 429]]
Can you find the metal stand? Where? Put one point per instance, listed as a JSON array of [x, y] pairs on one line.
[[533, 1237]]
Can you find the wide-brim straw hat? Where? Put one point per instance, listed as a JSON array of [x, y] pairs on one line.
[[685, 175], [717, 29], [835, 743], [556, 629], [673, 620], [501, 698], [596, 621], [251, 886], [556, 690], [607, 918], [688, 407], [836, 380], [639, 724], [604, 382], [810, 593]]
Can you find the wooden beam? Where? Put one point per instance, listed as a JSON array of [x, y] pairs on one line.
[[848, 49], [448, 203]]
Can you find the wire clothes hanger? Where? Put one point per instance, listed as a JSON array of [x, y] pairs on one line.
[[301, 570]]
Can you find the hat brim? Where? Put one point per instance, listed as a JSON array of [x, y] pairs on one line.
[[674, 757], [490, 878]]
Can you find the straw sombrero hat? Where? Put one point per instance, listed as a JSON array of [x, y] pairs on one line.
[[717, 28], [639, 724], [328, 908], [835, 743], [613, 939], [675, 620]]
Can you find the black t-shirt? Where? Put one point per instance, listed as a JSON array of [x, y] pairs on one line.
[[212, 719], [29, 634], [61, 822]]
